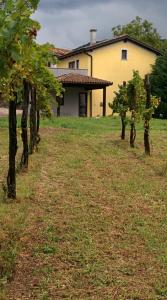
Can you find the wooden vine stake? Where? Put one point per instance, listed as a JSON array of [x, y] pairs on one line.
[[33, 122], [11, 178], [24, 120], [147, 119]]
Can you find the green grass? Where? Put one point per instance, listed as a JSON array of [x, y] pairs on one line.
[[90, 218], [96, 125]]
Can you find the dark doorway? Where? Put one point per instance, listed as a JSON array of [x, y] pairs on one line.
[[83, 105]]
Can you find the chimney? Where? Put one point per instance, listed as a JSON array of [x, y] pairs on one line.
[[93, 36]]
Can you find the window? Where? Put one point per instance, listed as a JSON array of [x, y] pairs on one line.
[[77, 64], [71, 65], [124, 54]]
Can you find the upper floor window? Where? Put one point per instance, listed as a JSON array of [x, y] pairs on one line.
[[71, 65], [124, 54]]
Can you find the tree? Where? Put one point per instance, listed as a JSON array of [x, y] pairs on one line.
[[44, 87], [142, 30], [23, 66], [17, 30], [120, 105], [151, 103], [137, 101], [135, 97], [158, 79]]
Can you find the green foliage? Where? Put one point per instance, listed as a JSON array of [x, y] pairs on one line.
[[136, 96], [120, 104], [21, 58], [17, 30], [39, 75], [163, 45], [158, 80], [159, 77], [161, 110], [132, 97], [140, 29], [148, 112]]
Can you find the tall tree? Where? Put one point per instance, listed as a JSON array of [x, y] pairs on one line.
[[142, 30], [158, 79]]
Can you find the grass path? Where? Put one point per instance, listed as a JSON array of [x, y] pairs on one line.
[[96, 225]]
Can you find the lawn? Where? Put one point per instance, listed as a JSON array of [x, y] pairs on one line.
[[90, 220]]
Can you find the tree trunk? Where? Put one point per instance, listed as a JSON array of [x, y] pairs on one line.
[[11, 178], [24, 135], [38, 120], [146, 138], [123, 118], [132, 135], [38, 125], [33, 122], [147, 124], [58, 110]]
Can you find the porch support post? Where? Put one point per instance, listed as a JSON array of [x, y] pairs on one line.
[[104, 101], [91, 107]]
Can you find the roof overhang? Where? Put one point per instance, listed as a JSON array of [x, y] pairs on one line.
[[87, 82], [124, 38]]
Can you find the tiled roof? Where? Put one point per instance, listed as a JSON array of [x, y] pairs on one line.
[[81, 80], [60, 51], [125, 38], [85, 46]]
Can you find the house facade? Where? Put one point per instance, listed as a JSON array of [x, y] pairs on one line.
[[110, 60]]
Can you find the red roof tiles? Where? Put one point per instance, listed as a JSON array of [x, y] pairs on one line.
[[77, 79], [60, 51]]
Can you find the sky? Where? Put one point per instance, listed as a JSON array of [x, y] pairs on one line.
[[66, 23]]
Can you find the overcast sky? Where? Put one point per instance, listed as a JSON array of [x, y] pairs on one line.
[[66, 23]]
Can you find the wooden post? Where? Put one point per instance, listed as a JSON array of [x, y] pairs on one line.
[[123, 119], [133, 125], [11, 178], [24, 134], [104, 101], [91, 110], [38, 120], [148, 91], [33, 122], [146, 123], [38, 126]]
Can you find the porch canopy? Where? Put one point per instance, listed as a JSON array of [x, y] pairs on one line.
[[86, 82]]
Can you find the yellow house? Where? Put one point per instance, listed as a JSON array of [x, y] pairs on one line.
[[110, 60]]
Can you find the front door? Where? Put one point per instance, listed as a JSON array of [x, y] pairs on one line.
[[83, 105]]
